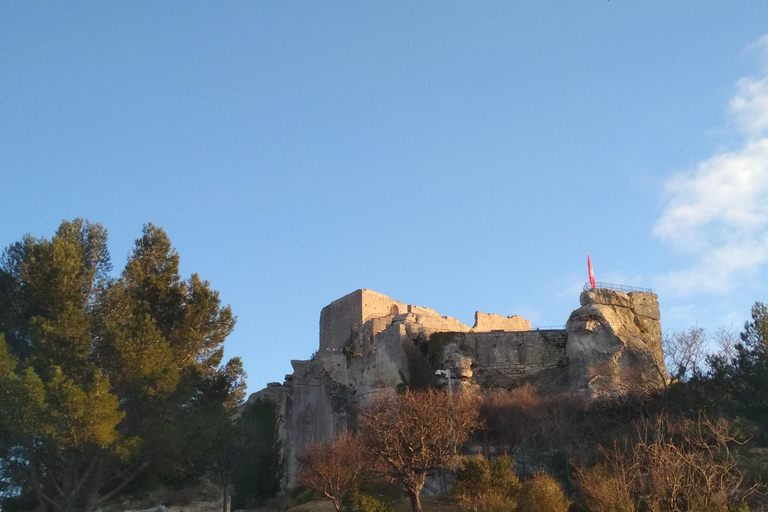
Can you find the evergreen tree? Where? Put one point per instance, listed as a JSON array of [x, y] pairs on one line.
[[106, 380]]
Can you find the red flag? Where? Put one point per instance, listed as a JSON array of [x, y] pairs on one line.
[[591, 272]]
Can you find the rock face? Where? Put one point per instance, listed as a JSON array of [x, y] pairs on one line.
[[370, 343], [614, 343]]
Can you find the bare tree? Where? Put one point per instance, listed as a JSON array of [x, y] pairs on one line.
[[726, 339], [685, 352], [334, 469], [686, 466], [417, 431], [509, 418]]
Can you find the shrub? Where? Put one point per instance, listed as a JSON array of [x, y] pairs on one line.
[[487, 486], [472, 480], [361, 501], [685, 466], [602, 491], [542, 493], [305, 496]]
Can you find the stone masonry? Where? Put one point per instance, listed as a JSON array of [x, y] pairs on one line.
[[501, 358], [493, 322]]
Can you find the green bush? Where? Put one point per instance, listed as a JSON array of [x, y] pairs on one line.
[[472, 479], [487, 486], [542, 493], [361, 501]]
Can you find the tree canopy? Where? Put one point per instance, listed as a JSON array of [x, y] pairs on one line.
[[106, 381], [414, 432], [336, 468]]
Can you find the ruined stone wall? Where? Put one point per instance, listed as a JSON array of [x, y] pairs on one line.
[[337, 318], [492, 322], [340, 317], [497, 358]]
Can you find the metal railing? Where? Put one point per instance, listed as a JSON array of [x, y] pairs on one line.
[[548, 328], [618, 287]]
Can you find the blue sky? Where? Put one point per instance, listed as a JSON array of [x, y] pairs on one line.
[[456, 155]]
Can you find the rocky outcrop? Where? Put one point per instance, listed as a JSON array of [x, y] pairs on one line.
[[614, 343]]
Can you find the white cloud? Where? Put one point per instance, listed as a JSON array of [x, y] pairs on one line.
[[719, 212], [750, 106], [720, 269], [759, 50]]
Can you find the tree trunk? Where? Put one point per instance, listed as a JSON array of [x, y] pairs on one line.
[[92, 492], [413, 494], [224, 494], [414, 486]]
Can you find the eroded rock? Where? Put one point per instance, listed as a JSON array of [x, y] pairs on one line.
[[614, 343]]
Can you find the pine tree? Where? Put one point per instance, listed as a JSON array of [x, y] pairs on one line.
[[104, 380]]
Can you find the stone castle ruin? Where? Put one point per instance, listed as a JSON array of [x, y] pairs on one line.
[[370, 343]]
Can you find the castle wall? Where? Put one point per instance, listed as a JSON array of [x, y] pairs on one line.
[[337, 319], [500, 356], [376, 305], [340, 317], [492, 322]]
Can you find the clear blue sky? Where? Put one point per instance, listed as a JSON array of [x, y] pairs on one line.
[[456, 155]]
